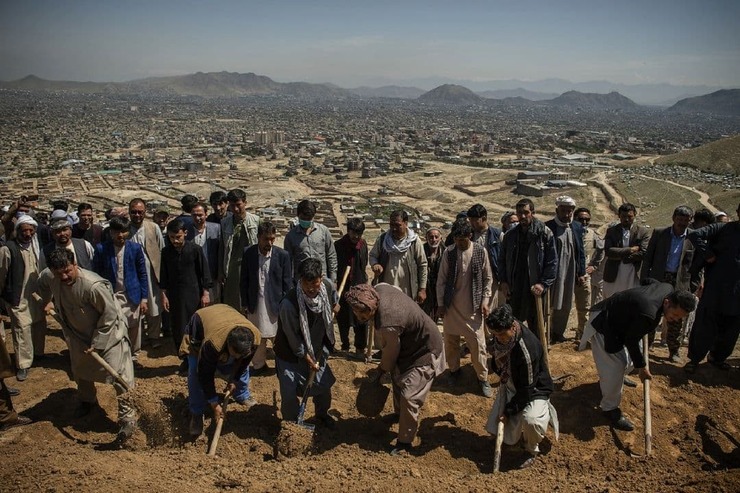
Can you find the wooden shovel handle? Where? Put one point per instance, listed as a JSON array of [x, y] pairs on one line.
[[219, 426]]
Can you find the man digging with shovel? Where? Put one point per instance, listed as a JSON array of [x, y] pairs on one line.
[[92, 321], [616, 330], [305, 334], [217, 338], [412, 351], [523, 401]]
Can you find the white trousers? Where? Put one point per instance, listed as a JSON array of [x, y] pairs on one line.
[[530, 424], [611, 367]]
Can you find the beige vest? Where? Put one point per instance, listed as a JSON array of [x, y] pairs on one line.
[[218, 320]]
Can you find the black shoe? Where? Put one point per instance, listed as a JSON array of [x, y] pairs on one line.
[[21, 374], [256, 372], [377, 356], [183, 368], [690, 367], [401, 448], [618, 420], [84, 409], [629, 382], [724, 365], [13, 392], [327, 421], [392, 418]]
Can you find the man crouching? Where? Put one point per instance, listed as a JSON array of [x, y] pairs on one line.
[[522, 402], [217, 338], [91, 321]]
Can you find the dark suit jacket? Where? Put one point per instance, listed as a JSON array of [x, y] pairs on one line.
[[279, 278], [653, 263], [210, 247], [617, 253], [628, 315], [578, 233]]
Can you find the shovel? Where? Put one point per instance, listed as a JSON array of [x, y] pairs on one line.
[[541, 330], [499, 429], [648, 418], [219, 425], [304, 401]]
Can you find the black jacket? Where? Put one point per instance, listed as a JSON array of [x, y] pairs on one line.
[[529, 373], [279, 279], [628, 315]]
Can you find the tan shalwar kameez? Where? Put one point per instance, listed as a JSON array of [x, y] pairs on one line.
[[90, 317], [412, 353], [27, 320], [461, 318]]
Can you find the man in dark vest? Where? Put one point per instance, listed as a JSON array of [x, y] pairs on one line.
[[217, 338], [412, 351], [19, 275]]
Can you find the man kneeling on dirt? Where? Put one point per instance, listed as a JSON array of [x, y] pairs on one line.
[[217, 338], [523, 402], [615, 331], [305, 334], [91, 320], [413, 350]]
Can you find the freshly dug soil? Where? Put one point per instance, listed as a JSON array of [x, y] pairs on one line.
[[696, 437]]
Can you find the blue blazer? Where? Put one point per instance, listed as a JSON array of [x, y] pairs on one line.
[[279, 278], [135, 278], [210, 247]]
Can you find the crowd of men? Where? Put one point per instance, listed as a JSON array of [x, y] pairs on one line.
[[218, 285]]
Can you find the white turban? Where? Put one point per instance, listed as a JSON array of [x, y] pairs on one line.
[[25, 219]]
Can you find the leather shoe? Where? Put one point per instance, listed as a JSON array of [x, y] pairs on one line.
[[674, 358], [623, 424], [13, 392], [690, 367], [196, 425], [21, 374], [629, 382]]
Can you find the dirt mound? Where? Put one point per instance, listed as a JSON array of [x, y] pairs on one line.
[[294, 440], [696, 437]]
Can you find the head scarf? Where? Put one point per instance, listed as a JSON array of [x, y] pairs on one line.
[[319, 305], [363, 297], [390, 245], [502, 354]]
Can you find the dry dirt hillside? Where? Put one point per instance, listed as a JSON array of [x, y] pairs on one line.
[[696, 428]]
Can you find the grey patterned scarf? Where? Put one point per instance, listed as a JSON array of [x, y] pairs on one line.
[[319, 305]]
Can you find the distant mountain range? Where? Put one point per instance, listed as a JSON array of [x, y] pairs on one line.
[[231, 84], [211, 84], [723, 102]]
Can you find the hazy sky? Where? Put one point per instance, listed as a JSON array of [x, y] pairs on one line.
[[372, 42]]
